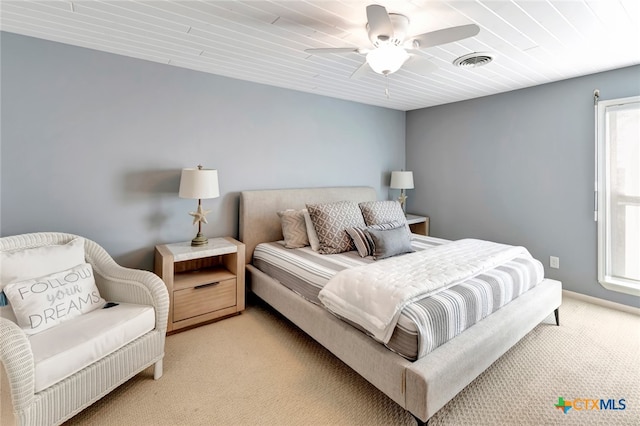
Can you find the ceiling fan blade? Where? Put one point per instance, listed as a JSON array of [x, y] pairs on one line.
[[325, 50], [447, 35], [419, 65], [360, 71], [380, 27]]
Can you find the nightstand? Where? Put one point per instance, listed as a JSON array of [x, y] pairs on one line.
[[205, 283], [418, 224]]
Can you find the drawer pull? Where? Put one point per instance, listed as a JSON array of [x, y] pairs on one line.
[[206, 285]]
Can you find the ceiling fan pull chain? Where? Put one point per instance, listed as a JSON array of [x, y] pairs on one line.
[[386, 90]]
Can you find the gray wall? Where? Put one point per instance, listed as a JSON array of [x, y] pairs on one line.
[[93, 143], [518, 168]]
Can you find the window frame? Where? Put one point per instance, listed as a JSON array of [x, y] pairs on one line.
[[619, 284]]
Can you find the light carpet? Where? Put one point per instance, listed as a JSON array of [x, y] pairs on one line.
[[258, 368]]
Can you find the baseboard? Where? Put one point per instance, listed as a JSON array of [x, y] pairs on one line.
[[601, 302]]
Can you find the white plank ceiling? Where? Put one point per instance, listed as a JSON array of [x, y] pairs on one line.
[[533, 41]]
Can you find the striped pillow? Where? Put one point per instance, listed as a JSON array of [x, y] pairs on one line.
[[362, 240]]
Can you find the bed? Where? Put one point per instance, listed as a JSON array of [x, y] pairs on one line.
[[421, 386]]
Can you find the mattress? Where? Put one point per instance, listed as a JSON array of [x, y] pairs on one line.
[[423, 325]]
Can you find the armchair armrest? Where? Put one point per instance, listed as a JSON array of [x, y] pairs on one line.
[[17, 358], [119, 284]]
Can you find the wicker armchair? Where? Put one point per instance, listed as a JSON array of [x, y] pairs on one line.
[[62, 400]]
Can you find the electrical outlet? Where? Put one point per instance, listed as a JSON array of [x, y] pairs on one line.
[[554, 262]]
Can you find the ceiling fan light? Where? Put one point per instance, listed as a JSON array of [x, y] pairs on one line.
[[387, 59]]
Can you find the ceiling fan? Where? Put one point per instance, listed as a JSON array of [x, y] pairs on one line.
[[387, 32]]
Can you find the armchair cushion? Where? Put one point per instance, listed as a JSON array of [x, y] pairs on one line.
[[69, 347]]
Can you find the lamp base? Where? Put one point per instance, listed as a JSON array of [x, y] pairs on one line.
[[402, 199], [200, 240]]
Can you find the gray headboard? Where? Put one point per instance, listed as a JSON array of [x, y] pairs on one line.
[[259, 221]]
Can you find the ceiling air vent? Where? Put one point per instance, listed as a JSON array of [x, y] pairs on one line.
[[473, 60]]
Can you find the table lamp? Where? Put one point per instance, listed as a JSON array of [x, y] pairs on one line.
[[402, 180], [199, 183]]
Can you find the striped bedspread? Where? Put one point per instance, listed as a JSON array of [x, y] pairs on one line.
[[425, 324], [374, 295]]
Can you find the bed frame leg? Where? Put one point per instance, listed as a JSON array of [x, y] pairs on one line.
[[557, 314], [420, 422]]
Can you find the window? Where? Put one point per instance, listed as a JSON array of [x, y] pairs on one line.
[[618, 194]]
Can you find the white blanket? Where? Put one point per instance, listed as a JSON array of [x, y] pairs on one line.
[[373, 295]]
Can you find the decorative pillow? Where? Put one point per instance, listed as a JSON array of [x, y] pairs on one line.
[[377, 212], [363, 242], [24, 264], [390, 242], [311, 231], [331, 221], [41, 303], [294, 228]]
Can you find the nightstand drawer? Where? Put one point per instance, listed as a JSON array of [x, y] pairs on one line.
[[203, 299]]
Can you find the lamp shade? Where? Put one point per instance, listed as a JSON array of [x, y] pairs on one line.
[[401, 180], [387, 59], [199, 183]]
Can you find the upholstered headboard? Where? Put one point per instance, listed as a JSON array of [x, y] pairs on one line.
[[259, 221]]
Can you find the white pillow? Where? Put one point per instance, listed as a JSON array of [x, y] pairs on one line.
[[314, 242], [41, 303], [24, 264]]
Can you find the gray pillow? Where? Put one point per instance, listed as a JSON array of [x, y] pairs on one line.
[[389, 242], [331, 221], [363, 242]]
